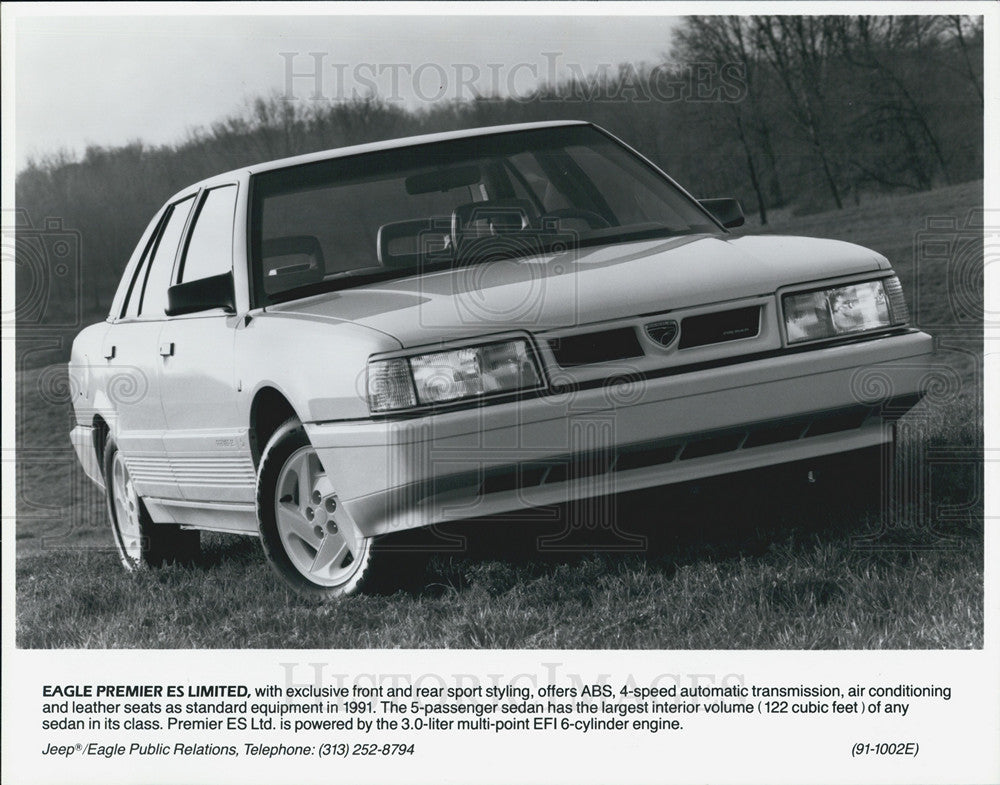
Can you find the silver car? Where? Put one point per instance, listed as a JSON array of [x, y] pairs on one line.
[[330, 348]]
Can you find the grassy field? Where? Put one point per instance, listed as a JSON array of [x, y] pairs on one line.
[[728, 564]]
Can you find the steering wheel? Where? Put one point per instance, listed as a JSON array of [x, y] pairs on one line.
[[592, 219]]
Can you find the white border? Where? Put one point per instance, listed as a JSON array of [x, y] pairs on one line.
[[972, 753]]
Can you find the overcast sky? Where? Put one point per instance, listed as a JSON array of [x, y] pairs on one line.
[[109, 80]]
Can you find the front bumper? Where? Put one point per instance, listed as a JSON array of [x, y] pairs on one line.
[[395, 475]]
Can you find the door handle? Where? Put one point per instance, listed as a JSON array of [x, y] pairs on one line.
[[109, 352], [167, 349]]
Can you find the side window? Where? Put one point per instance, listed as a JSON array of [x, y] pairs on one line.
[[210, 245], [131, 289], [161, 266]]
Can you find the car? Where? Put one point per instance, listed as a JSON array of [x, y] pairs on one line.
[[328, 349]]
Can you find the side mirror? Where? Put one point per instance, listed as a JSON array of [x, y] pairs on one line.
[[728, 212], [216, 291]]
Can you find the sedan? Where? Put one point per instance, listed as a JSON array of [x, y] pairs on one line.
[[324, 350]]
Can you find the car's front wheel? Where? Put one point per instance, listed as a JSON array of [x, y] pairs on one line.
[[311, 544]]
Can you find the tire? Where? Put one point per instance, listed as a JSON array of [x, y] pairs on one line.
[[140, 542], [311, 545]]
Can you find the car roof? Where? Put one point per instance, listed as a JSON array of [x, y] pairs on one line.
[[370, 147]]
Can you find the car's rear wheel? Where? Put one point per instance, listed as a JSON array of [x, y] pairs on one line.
[[140, 542], [313, 546]]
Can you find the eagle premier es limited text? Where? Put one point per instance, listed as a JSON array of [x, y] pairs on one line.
[[330, 348]]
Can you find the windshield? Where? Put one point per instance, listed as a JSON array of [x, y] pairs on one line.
[[395, 213]]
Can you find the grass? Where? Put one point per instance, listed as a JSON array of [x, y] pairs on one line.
[[729, 564], [767, 579]]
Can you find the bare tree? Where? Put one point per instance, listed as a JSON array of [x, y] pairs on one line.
[[798, 50], [960, 25], [726, 41]]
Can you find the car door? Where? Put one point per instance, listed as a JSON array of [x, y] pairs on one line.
[[206, 434], [131, 350]]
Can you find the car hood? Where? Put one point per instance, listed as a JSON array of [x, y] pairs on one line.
[[586, 285]]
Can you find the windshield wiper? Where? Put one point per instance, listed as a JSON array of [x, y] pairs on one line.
[[636, 232], [535, 244], [351, 278]]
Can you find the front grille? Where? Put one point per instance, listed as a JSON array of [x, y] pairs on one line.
[[701, 448], [847, 421], [642, 455], [783, 432], [720, 326], [597, 347]]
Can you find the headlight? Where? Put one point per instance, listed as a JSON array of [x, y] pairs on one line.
[[457, 374], [843, 310]]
